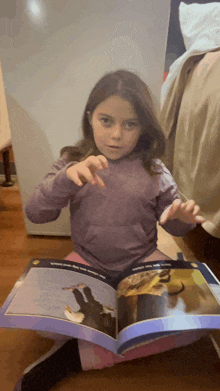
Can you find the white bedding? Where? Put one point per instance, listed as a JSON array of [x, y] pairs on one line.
[[200, 27]]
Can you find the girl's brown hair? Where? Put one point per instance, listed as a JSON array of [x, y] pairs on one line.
[[129, 86]]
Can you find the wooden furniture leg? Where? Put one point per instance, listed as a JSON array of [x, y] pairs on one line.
[[6, 161]]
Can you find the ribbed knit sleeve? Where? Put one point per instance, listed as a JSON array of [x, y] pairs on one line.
[[51, 195]]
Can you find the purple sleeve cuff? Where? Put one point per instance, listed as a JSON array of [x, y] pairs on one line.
[[177, 227]]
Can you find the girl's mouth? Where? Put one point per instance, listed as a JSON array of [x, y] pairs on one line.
[[113, 147]]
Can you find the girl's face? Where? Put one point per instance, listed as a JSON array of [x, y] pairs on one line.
[[116, 128]]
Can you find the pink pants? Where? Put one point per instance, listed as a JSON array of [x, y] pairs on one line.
[[95, 357]]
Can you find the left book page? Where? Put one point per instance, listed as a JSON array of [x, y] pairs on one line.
[[63, 297]]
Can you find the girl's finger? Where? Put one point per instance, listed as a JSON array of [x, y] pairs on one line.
[[188, 206], [103, 161], [74, 176], [97, 178], [89, 173], [99, 181], [86, 173], [173, 209], [169, 212], [95, 162], [196, 210], [92, 161], [176, 205], [200, 219]]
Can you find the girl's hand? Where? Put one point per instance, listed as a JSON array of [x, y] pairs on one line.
[[187, 212], [86, 171]]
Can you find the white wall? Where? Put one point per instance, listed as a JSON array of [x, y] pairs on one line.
[[52, 54]]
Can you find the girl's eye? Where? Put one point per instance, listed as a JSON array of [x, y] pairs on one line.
[[105, 121], [131, 125]]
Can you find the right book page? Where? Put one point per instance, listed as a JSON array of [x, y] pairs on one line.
[[159, 298]]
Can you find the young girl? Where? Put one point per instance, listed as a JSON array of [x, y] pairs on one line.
[[117, 189]]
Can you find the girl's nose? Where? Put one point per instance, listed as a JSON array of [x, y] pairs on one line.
[[117, 132]]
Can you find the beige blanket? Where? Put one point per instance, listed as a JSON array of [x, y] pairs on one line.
[[190, 118]]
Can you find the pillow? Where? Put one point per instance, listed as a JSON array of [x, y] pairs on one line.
[[199, 22], [200, 27]]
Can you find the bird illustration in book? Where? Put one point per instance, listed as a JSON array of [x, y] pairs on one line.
[[145, 296], [91, 312], [153, 282]]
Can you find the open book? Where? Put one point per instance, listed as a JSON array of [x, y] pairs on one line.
[[147, 302]]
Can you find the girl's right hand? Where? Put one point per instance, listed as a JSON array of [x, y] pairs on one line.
[[85, 171]]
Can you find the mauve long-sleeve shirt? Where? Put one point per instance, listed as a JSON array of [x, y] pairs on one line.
[[114, 227]]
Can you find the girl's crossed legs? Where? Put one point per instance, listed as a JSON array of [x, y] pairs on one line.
[[94, 356], [53, 366]]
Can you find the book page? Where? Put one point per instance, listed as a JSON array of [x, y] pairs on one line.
[[67, 298], [161, 300]]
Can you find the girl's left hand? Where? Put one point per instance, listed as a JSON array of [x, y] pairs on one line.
[[188, 212]]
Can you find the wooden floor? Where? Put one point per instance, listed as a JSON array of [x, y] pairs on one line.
[[195, 367]]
